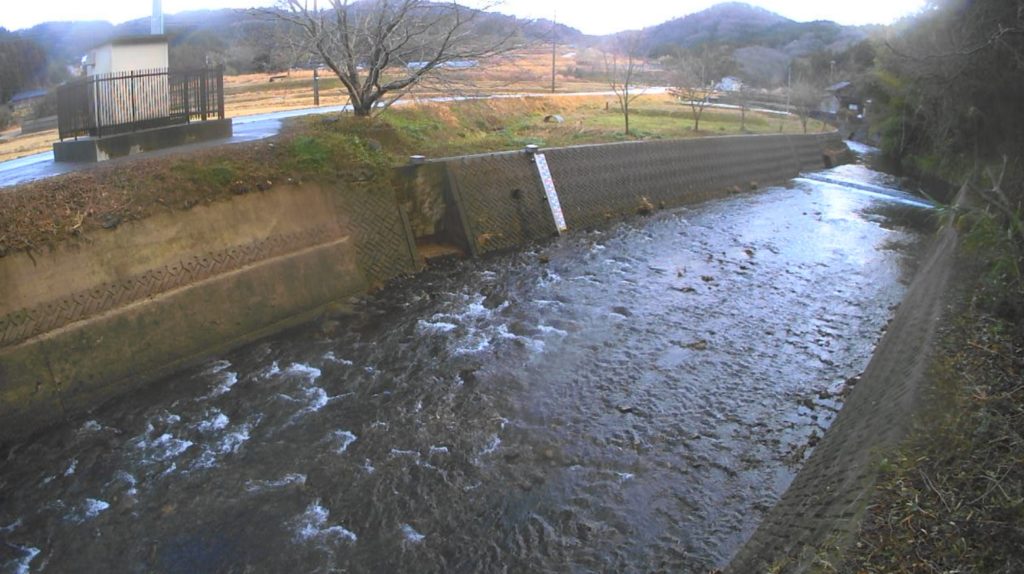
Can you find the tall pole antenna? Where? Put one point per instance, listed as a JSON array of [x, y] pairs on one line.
[[156, 26]]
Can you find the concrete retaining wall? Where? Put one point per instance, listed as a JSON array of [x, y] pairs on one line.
[[93, 318], [504, 204], [102, 149], [96, 317]]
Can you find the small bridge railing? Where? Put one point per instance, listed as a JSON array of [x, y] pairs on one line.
[[111, 104]]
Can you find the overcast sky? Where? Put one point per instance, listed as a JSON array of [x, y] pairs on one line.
[[586, 15]]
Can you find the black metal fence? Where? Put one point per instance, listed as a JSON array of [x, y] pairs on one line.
[[110, 104]]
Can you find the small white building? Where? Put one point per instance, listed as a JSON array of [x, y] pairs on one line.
[[729, 84], [146, 59], [126, 54]]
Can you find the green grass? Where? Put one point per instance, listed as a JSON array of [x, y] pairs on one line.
[[207, 175]]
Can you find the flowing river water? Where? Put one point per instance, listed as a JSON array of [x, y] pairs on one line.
[[632, 399]]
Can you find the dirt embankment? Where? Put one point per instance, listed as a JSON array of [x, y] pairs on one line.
[[48, 211], [51, 210]]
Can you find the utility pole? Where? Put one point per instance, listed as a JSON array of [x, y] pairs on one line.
[[316, 85], [789, 88], [554, 28], [316, 81], [789, 85]]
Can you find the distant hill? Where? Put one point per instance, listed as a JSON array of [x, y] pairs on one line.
[[731, 23], [763, 43], [67, 41], [740, 25]]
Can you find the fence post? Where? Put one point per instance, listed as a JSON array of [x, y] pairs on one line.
[[220, 92], [98, 99], [203, 76], [184, 95], [131, 90]]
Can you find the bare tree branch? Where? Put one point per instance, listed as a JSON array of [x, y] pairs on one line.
[[380, 49], [623, 67]]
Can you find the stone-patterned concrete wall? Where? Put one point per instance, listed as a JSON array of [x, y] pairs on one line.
[[92, 319], [504, 205], [827, 499]]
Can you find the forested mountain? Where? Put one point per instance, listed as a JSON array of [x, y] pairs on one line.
[[742, 25], [763, 44]]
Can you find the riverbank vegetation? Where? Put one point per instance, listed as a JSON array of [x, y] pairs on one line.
[[335, 147], [947, 90], [952, 498]]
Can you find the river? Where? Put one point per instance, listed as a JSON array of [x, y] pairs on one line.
[[631, 399]]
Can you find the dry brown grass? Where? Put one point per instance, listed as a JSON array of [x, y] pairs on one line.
[[23, 145], [952, 499]]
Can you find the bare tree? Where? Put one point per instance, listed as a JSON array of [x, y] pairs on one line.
[[623, 67], [805, 98], [694, 75], [380, 49]]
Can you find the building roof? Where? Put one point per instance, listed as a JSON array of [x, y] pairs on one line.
[[27, 95], [838, 87], [136, 40]]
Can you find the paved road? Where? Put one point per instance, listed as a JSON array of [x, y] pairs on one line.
[[246, 128]]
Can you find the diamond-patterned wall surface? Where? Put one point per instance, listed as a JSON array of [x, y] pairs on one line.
[[502, 200], [504, 205], [384, 245], [596, 183]]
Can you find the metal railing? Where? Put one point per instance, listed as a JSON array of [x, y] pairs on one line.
[[111, 104]]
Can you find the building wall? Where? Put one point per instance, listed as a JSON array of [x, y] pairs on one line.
[[125, 58], [112, 58], [101, 59]]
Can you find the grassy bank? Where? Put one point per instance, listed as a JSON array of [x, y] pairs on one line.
[[339, 146], [445, 129]]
